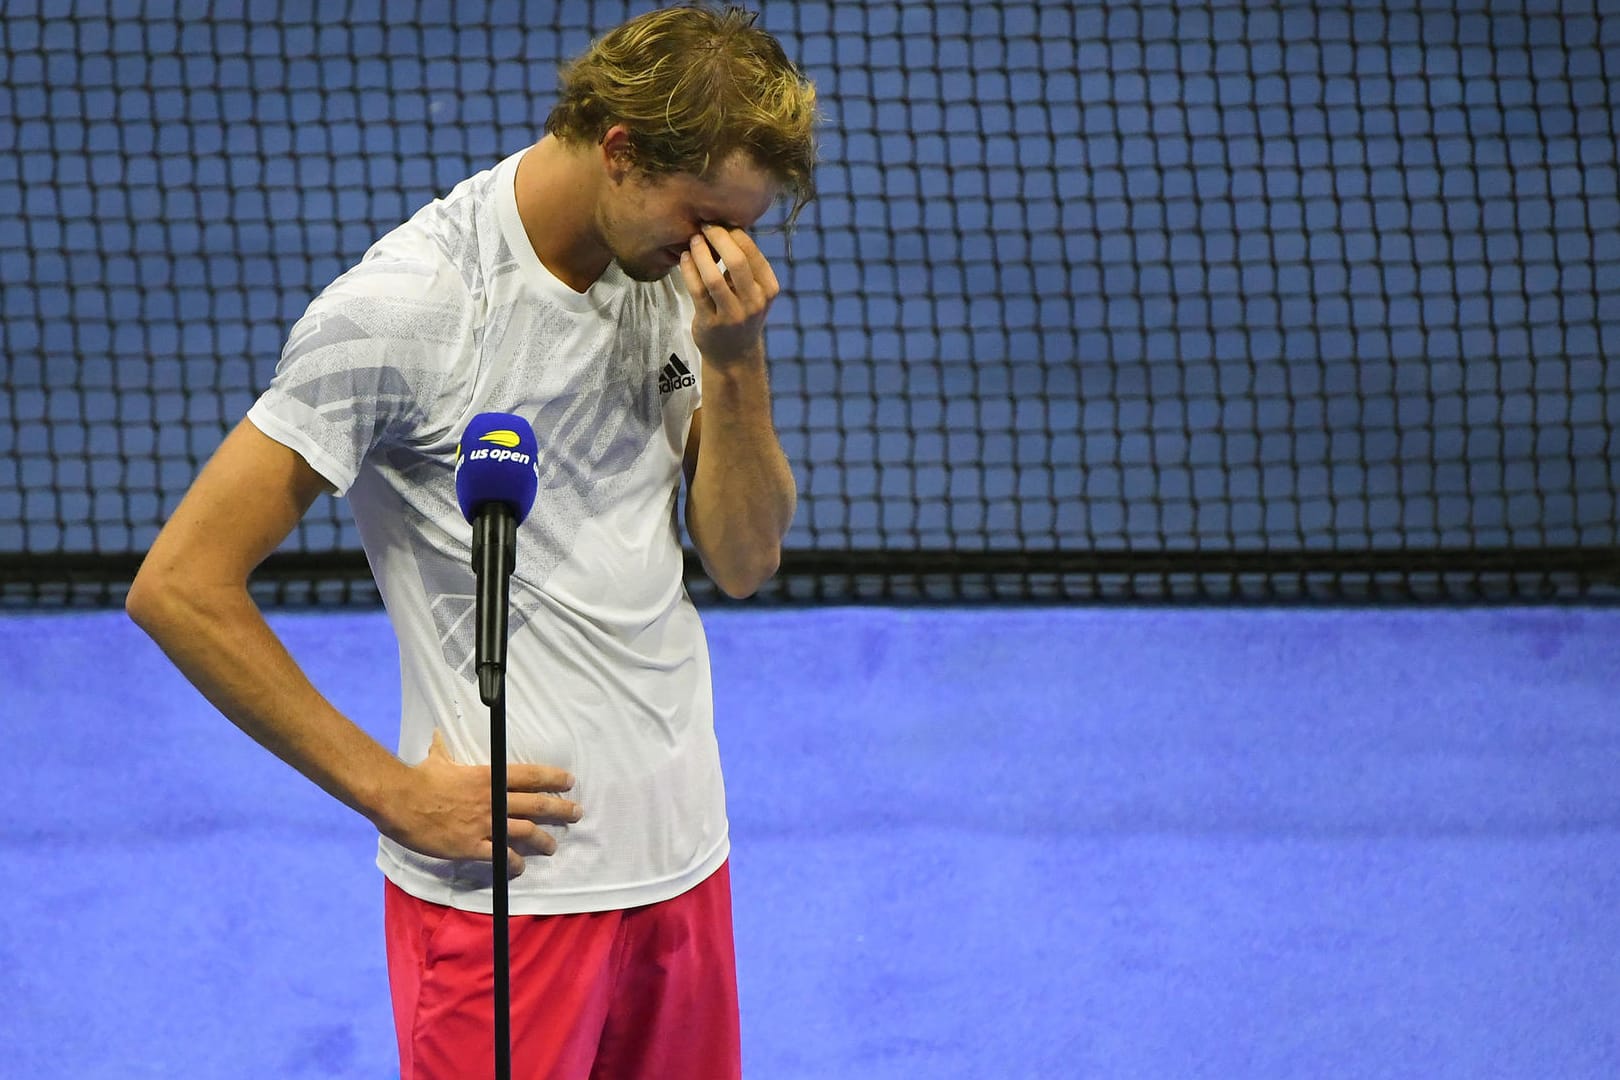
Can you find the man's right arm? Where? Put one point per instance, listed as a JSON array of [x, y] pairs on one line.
[[191, 596]]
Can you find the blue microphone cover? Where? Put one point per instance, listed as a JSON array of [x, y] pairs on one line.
[[497, 461]]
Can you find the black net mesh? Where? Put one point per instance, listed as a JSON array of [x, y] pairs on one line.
[[1214, 300]]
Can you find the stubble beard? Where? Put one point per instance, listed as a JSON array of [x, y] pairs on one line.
[[622, 240]]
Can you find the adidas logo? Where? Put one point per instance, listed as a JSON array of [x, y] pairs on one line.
[[674, 376]]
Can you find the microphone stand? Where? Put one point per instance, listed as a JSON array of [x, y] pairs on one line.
[[494, 556]]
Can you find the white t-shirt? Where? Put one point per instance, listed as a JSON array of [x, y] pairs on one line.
[[450, 315]]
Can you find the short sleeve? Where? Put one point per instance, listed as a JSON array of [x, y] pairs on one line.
[[365, 365]]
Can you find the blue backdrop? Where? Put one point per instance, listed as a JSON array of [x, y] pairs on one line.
[[1033, 845]]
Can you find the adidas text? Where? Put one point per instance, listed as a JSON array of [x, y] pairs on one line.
[[675, 376]]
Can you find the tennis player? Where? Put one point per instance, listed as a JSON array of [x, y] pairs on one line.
[[602, 283]]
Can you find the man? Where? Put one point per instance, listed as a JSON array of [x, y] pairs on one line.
[[546, 286]]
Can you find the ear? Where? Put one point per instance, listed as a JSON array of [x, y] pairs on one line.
[[618, 153]]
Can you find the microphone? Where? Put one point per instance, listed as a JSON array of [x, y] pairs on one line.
[[497, 474]]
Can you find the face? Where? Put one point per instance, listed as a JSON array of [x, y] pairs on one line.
[[647, 221]]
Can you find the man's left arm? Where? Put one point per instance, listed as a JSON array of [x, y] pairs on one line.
[[740, 491]]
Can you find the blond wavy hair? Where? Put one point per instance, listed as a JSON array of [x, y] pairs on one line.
[[694, 85]]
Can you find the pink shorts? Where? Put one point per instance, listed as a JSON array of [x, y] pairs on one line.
[[611, 995]]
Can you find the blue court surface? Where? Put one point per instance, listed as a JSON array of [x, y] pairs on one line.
[[1117, 843]]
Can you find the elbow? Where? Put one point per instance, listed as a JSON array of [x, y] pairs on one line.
[[152, 600], [743, 578], [143, 601], [739, 555]]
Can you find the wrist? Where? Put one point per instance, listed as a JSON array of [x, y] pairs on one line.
[[736, 373], [749, 359], [381, 793]]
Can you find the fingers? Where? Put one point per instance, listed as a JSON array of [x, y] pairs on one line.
[[537, 778], [527, 837], [737, 267], [514, 861], [759, 267], [518, 777], [522, 837], [528, 809], [706, 281], [546, 809], [694, 283], [446, 814], [740, 281]]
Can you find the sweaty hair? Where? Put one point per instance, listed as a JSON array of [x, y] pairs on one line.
[[694, 85]]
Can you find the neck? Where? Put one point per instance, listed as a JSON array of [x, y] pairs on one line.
[[557, 195]]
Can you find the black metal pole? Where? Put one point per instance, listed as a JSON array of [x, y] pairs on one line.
[[499, 924], [493, 552]]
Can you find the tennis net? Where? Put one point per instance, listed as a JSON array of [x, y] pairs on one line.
[[1185, 301]]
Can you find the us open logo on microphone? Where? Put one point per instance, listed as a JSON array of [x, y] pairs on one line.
[[501, 452]]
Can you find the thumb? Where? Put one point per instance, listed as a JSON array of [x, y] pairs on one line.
[[437, 750]]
